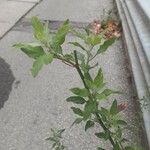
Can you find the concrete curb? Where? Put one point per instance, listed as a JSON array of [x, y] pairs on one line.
[[136, 27]]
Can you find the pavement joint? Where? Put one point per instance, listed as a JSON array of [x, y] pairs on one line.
[[25, 25]]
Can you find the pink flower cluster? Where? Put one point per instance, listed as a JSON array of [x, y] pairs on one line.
[[110, 29]]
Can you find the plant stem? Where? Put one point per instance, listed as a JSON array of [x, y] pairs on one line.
[[96, 114], [67, 62], [93, 57], [121, 145], [79, 71], [104, 127], [88, 54]]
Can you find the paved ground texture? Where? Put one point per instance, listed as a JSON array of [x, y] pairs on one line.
[[11, 11], [30, 107]]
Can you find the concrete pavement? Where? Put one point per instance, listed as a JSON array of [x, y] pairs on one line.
[[33, 106], [11, 11]]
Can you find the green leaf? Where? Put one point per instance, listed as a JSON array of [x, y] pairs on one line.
[[133, 148], [104, 111], [59, 133], [121, 122], [96, 40], [118, 133], [62, 147], [59, 37], [51, 139], [48, 58], [77, 45], [77, 111], [105, 45], [89, 83], [76, 99], [129, 148], [37, 65], [57, 148], [53, 145], [39, 29], [88, 76], [89, 80], [39, 62], [89, 124], [116, 147], [33, 51], [80, 92], [85, 67], [104, 95], [99, 148], [93, 40], [87, 30], [103, 135], [98, 81], [77, 121], [90, 107], [56, 48], [37, 24], [114, 108]]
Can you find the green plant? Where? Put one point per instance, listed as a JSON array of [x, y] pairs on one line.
[[48, 47], [56, 139]]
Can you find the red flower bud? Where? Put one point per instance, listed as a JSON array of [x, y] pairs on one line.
[[122, 106]]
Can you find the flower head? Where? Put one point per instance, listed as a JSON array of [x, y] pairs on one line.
[[113, 29], [110, 29], [117, 34], [96, 27]]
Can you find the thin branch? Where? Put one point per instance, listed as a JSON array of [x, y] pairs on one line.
[[93, 57], [67, 62], [79, 71], [105, 128]]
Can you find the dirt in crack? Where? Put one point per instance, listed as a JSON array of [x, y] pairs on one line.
[[6, 81]]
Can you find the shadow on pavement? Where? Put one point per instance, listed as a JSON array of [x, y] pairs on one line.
[[6, 81]]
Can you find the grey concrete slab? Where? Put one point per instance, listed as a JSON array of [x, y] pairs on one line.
[[75, 10], [36, 105], [11, 12], [4, 26], [2, 1], [7, 12], [30, 1]]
